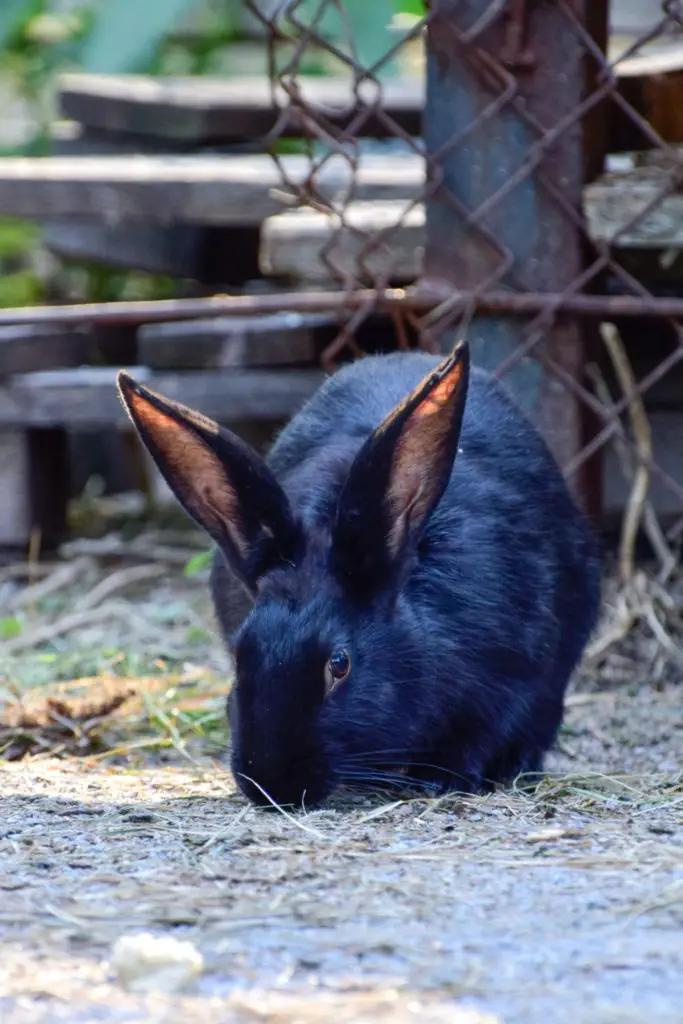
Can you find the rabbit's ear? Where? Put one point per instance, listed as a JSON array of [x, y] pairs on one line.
[[399, 475], [218, 479]]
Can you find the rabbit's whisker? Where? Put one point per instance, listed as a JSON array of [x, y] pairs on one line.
[[391, 778], [373, 759]]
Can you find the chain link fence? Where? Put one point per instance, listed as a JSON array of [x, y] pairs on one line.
[[534, 208]]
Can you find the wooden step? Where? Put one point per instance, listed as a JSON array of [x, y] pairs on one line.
[[292, 243], [215, 190], [202, 110], [87, 396], [278, 339], [245, 190], [23, 349]]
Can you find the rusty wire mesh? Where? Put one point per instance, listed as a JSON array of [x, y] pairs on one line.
[[497, 47]]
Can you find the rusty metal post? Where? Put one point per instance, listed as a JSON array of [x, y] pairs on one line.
[[493, 72]]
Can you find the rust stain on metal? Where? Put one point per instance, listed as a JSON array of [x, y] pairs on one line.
[[516, 54]]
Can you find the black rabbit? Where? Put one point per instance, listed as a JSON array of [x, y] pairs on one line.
[[416, 616]]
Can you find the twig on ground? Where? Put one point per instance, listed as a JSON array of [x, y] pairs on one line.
[[68, 623], [63, 576], [116, 547], [622, 621], [22, 570], [118, 581]]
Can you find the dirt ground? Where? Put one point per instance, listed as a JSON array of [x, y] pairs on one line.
[[563, 904]]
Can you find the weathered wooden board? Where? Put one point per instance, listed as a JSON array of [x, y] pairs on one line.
[[247, 190], [215, 190], [279, 339], [14, 495], [292, 243], [23, 349], [225, 256], [200, 110], [611, 202], [212, 255], [87, 396], [34, 485]]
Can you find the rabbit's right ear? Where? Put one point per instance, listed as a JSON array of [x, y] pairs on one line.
[[219, 481], [398, 478]]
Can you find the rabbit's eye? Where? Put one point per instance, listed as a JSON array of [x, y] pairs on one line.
[[337, 669]]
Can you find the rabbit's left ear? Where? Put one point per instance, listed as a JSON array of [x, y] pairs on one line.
[[223, 484], [399, 476]]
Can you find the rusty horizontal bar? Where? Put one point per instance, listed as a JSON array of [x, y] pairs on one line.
[[388, 300]]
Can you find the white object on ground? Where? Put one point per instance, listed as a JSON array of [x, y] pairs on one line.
[[146, 963]]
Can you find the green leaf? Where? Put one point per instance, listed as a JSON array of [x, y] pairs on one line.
[[197, 635], [9, 628], [416, 7], [198, 563], [127, 33]]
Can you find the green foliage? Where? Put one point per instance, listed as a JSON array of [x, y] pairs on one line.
[[9, 628], [22, 288], [17, 238], [19, 284], [198, 563], [414, 7], [103, 284]]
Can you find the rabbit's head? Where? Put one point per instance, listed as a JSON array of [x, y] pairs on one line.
[[330, 658]]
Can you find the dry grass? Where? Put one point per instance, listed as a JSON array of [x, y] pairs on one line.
[[104, 657]]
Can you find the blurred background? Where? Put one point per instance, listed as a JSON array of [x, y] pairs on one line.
[[40, 39]]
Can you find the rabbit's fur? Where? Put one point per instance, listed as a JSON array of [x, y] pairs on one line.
[[461, 593]]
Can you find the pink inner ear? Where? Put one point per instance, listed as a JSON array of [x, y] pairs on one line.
[[191, 469], [418, 460], [440, 395]]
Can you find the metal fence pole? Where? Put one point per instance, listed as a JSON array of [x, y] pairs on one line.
[[498, 77]]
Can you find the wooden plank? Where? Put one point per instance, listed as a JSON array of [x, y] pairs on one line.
[[14, 497], [212, 255], [634, 16], [279, 339], [225, 256], [613, 200], [70, 138], [216, 190], [292, 243], [23, 349], [200, 110], [247, 190], [87, 396], [186, 112]]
